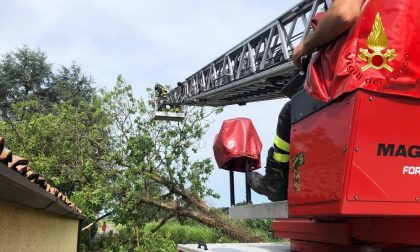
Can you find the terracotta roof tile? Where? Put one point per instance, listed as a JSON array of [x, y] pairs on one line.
[[55, 192], [31, 175], [20, 165], [5, 156], [52, 190], [21, 169], [16, 160], [42, 182], [41, 179]]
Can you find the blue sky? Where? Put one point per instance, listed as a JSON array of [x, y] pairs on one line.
[[147, 41]]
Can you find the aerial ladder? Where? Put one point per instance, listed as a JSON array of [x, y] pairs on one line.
[[257, 69], [352, 183]]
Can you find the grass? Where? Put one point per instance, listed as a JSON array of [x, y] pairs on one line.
[[189, 232]]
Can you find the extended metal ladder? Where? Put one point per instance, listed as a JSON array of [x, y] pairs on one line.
[[257, 69]]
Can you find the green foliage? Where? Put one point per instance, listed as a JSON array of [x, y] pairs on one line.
[[129, 239], [156, 243], [70, 84], [57, 121], [27, 76], [174, 232], [189, 232], [104, 150], [69, 146], [24, 74], [165, 239], [261, 227], [148, 149]]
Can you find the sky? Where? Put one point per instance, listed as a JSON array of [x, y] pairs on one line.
[[147, 42]]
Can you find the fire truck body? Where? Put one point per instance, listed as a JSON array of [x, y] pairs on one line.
[[354, 161]]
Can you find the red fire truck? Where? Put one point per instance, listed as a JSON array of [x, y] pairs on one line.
[[354, 180]]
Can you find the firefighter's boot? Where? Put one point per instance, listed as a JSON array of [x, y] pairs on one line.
[[274, 183]]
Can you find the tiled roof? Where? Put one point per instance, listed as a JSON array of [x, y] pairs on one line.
[[21, 166]]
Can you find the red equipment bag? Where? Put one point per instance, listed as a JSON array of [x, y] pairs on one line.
[[381, 53], [237, 140]]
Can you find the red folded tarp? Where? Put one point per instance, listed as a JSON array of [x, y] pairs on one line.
[[236, 142], [388, 62]]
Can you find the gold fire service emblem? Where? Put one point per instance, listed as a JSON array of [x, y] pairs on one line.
[[377, 42]]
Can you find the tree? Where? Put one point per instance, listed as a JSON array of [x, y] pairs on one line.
[[70, 84], [104, 150], [157, 178], [56, 120], [70, 146], [26, 75]]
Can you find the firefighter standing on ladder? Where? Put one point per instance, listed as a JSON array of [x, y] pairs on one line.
[[161, 96], [337, 20], [161, 99]]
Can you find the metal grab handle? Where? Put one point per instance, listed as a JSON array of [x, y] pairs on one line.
[[202, 244], [232, 186], [247, 186]]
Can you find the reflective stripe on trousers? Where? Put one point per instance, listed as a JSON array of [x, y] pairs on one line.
[[282, 138]]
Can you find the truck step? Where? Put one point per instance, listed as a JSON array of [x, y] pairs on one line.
[[272, 210]]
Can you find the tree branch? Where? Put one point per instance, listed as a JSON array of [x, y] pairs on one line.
[[211, 220], [95, 221], [191, 199], [162, 222]]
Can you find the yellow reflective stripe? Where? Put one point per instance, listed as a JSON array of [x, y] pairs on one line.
[[282, 158], [281, 144]]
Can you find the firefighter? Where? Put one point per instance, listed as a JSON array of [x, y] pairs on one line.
[[337, 20], [161, 96]]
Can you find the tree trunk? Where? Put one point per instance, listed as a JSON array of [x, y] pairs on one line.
[[207, 218], [162, 222], [228, 228], [95, 221]]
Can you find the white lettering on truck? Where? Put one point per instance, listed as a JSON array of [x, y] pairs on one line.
[[411, 170]]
